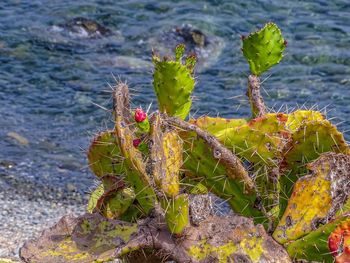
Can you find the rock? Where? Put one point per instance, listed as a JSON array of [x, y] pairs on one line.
[[7, 164], [71, 187], [19, 138], [84, 27], [206, 47]]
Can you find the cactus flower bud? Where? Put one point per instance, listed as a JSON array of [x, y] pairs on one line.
[[136, 142], [140, 115]]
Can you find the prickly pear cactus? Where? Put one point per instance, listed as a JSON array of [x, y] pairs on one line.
[[173, 83], [288, 172], [263, 48]]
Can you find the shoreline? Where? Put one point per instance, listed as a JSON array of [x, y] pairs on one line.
[[29, 208]]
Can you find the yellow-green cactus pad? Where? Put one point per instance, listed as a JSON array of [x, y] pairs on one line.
[[316, 197], [166, 158], [259, 141], [315, 246], [263, 48], [301, 117], [104, 155], [176, 213], [215, 125], [311, 139], [173, 83]]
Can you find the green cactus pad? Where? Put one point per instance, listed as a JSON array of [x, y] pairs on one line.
[[94, 197], [104, 155], [113, 204], [173, 83], [316, 197], [176, 213], [264, 48], [314, 246], [259, 140], [166, 158], [217, 168], [193, 187], [311, 139]]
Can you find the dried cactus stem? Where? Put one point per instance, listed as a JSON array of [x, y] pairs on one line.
[[256, 100]]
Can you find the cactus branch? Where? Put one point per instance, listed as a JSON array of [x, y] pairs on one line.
[[256, 100]]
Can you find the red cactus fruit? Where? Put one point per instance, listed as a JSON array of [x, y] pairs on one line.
[[339, 242], [140, 115], [136, 142]]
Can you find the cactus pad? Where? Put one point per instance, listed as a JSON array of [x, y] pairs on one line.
[[94, 197], [263, 48], [136, 174], [259, 140], [173, 83], [176, 213], [166, 158], [114, 204], [301, 117], [306, 143], [315, 246], [216, 125], [316, 197], [217, 168], [104, 155]]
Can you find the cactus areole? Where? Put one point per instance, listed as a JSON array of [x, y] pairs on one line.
[[286, 177]]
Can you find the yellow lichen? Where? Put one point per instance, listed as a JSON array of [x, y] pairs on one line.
[[123, 232], [66, 249], [253, 248], [204, 249]]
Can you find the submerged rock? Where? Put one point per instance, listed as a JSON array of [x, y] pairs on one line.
[[206, 47], [83, 27], [19, 138]]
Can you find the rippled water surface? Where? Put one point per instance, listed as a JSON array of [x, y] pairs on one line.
[[50, 80]]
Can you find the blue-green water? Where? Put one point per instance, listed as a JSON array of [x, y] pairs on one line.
[[49, 79]]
